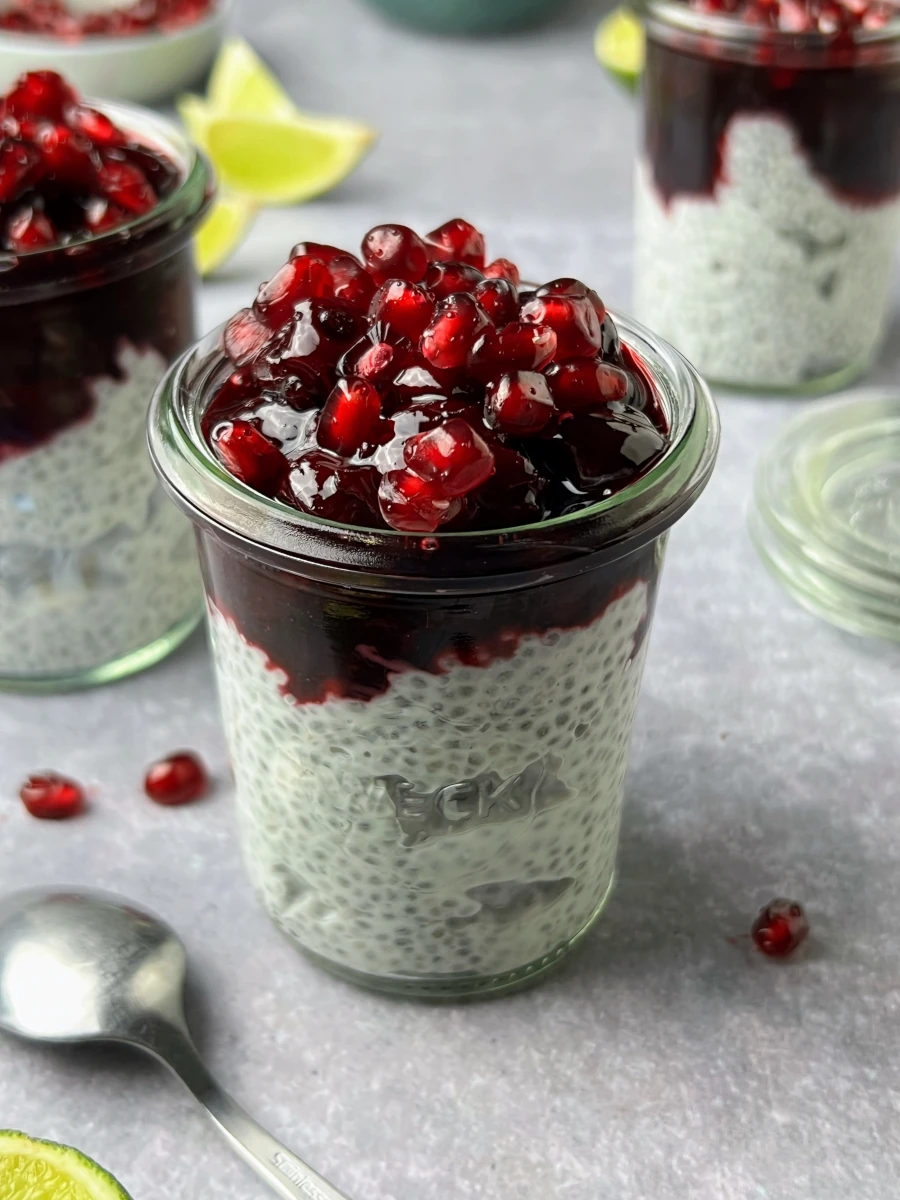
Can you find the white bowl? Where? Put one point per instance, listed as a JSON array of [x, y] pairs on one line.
[[144, 69]]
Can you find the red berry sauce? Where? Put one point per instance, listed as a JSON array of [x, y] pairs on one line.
[[845, 114], [52, 797], [780, 928], [53, 18], [436, 395], [177, 779]]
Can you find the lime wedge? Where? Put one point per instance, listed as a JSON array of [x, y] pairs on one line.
[[222, 232], [284, 161], [619, 46], [242, 85], [34, 1170]]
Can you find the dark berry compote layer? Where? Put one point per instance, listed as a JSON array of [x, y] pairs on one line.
[[54, 18], [96, 298]]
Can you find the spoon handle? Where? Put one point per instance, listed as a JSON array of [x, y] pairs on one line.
[[279, 1167]]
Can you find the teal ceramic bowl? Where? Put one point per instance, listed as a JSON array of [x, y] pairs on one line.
[[466, 16]]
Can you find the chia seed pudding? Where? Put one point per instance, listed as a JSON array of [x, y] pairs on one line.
[[98, 571], [768, 190], [432, 507]]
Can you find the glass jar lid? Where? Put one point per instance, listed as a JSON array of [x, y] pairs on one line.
[[826, 511]]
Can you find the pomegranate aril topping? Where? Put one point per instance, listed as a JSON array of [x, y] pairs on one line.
[[67, 157], [351, 281], [177, 779], [95, 126], [444, 278], [250, 456], [244, 337], [779, 928], [52, 797], [610, 446], [499, 300], [394, 252], [452, 456], [126, 186], [516, 347], [100, 216], [585, 384], [300, 279], [519, 404], [40, 95], [322, 484], [457, 240], [350, 418], [375, 361], [411, 504], [19, 162], [30, 230], [572, 319], [401, 309], [458, 322], [502, 268]]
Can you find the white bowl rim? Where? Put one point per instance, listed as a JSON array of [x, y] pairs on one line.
[[92, 42]]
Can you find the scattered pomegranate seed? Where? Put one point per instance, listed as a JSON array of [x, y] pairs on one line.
[[780, 928], [244, 337], [458, 322], [395, 252], [452, 456], [572, 319], [444, 278], [52, 797], [29, 230], [40, 95], [350, 418], [401, 309], [502, 268], [583, 384], [249, 456], [177, 779], [515, 347], [95, 126], [302, 278], [519, 403], [499, 300], [457, 240], [411, 504]]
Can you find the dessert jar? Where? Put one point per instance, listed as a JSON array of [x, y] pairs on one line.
[[429, 734], [768, 196], [98, 574]]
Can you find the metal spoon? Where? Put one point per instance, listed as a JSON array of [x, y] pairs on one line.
[[89, 966]]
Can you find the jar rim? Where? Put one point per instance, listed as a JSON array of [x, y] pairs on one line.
[[638, 513], [145, 239]]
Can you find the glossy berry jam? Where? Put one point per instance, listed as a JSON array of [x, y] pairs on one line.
[[52, 797], [417, 388], [177, 779], [780, 928], [53, 18], [66, 171]]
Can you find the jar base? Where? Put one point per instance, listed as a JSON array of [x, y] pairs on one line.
[[127, 664], [459, 987]]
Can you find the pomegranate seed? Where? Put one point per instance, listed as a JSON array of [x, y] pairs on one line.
[[244, 337], [375, 361], [19, 162], [498, 299], [444, 278], [30, 230], [457, 324], [519, 403], [177, 779], [515, 347], [452, 456], [40, 95], [401, 309], [95, 126], [780, 928], [126, 186], [609, 336], [52, 797], [249, 456], [100, 216], [458, 240], [321, 484], [350, 418], [319, 333], [573, 320], [302, 278], [583, 384], [67, 157], [394, 252], [502, 268], [351, 281], [411, 504]]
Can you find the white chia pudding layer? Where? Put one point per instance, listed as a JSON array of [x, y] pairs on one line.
[[95, 562], [773, 281], [460, 824]]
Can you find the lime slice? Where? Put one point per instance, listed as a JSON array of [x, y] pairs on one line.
[[619, 46], [242, 85], [284, 161], [224, 229], [34, 1170]]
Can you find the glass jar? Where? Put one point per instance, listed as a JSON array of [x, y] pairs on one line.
[[98, 574], [767, 197], [429, 734]]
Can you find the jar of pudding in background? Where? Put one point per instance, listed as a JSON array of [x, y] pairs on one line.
[[429, 735], [98, 574], [768, 196]]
